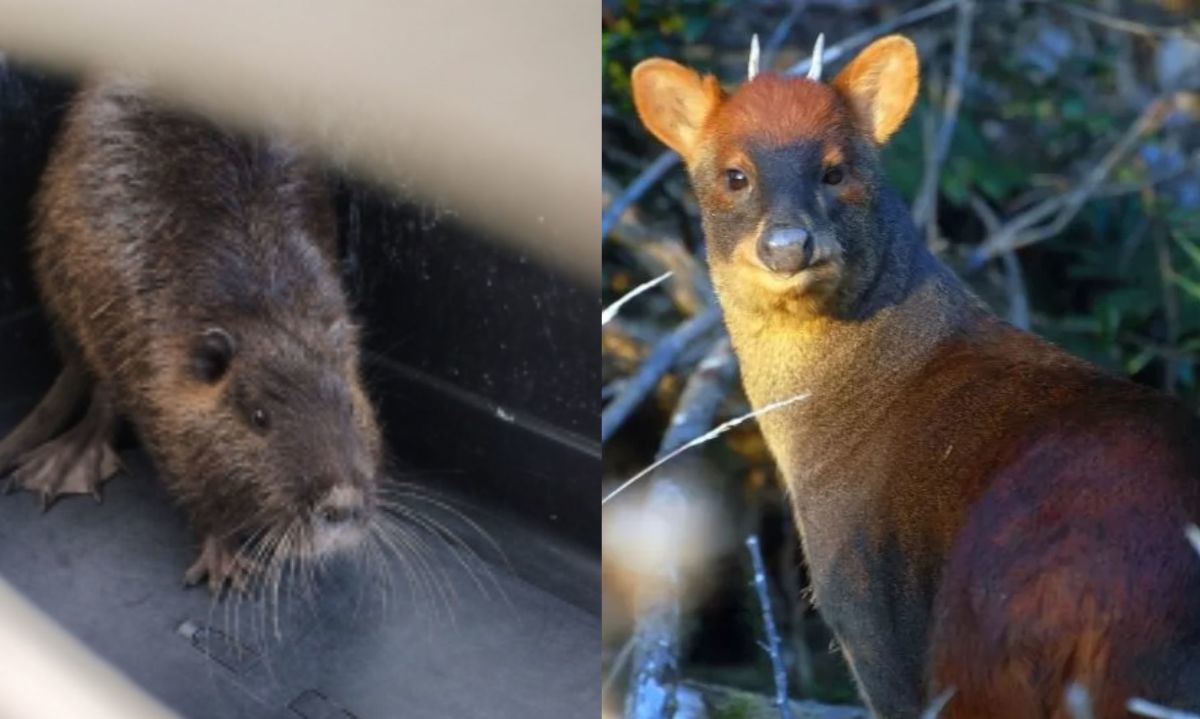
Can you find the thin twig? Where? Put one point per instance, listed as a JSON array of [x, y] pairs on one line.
[[1014, 279], [664, 162], [1078, 701], [925, 208], [939, 702], [660, 361], [1170, 300], [1113, 21], [1193, 536], [1024, 230], [772, 645], [644, 181], [618, 663], [611, 311], [706, 437], [834, 53], [1141, 707], [782, 30], [701, 397], [1014, 285]]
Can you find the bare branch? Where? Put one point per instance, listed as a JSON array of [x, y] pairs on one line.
[[772, 646], [708, 436], [661, 358], [1141, 707], [1112, 21], [925, 208], [611, 311], [934, 710], [782, 30], [1078, 701], [1024, 230]]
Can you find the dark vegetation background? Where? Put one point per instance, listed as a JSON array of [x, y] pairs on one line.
[[1068, 196]]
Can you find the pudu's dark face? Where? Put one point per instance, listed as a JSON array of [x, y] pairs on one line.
[[786, 171]]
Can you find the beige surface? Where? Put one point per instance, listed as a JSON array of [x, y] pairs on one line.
[[489, 108], [39, 658]]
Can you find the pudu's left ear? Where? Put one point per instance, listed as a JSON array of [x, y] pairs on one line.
[[881, 85], [674, 102]]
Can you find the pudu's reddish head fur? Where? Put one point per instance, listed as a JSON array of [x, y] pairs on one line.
[[808, 154]]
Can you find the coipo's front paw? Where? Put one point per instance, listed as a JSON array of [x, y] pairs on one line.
[[70, 464], [223, 564]]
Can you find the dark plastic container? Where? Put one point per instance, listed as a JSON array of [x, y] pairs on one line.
[[482, 362]]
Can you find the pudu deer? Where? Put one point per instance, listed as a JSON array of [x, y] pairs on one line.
[[979, 510]]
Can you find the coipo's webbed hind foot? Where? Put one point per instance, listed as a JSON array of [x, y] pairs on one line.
[[47, 419], [65, 465], [221, 564], [76, 462]]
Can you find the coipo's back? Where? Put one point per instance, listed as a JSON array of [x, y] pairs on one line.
[[979, 510]]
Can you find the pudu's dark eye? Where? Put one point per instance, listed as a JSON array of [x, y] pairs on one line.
[[834, 175], [736, 179], [260, 419]]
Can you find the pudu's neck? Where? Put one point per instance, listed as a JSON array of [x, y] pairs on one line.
[[851, 363]]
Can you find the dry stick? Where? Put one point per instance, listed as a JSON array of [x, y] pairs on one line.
[[1113, 21], [1078, 701], [782, 30], [1166, 273], [1014, 280], [654, 675], [934, 710], [708, 436], [648, 178], [664, 162], [772, 645], [618, 663], [1193, 536], [1141, 707], [660, 361], [925, 208], [611, 311], [1021, 231]]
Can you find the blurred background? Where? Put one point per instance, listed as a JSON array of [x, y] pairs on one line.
[[1053, 160]]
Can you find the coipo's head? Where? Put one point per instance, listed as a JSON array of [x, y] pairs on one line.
[[787, 172]]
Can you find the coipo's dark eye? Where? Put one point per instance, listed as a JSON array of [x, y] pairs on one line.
[[260, 419], [736, 179], [834, 175]]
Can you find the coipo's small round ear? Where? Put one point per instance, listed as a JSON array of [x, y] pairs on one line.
[[212, 351]]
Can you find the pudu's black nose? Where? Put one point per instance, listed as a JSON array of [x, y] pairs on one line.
[[785, 250]]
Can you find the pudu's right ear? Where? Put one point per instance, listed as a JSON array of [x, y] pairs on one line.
[[674, 101]]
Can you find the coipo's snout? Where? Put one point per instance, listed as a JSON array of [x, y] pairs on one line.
[[343, 506], [785, 250]]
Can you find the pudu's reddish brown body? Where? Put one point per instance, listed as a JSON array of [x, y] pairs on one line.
[[979, 509]]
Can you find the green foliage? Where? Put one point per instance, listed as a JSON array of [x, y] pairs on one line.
[[646, 28]]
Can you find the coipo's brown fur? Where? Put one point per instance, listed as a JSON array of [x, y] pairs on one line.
[[190, 274], [979, 510]]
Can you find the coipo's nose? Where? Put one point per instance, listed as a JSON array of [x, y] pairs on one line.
[[343, 505], [785, 250]]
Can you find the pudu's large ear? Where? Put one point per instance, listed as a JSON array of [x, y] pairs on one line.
[[674, 101], [881, 85]]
